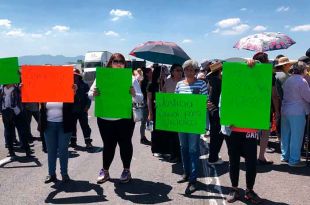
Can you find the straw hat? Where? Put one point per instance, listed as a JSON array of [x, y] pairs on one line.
[[215, 67], [283, 61]]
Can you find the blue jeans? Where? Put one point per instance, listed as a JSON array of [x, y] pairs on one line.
[[190, 154], [57, 142], [292, 132]]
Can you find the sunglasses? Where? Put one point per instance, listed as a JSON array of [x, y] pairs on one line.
[[118, 62]]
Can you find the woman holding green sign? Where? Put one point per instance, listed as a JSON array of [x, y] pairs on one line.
[[189, 142], [117, 131]]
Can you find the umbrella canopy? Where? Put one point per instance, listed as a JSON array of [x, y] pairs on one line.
[[266, 41], [160, 52]]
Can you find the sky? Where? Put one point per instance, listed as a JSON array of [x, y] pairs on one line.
[[205, 29]]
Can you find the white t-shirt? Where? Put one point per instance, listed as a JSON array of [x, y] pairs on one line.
[[54, 111]]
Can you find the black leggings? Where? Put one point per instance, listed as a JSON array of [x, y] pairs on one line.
[[113, 133], [242, 144]]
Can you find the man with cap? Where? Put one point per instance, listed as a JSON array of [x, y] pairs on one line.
[[80, 110]]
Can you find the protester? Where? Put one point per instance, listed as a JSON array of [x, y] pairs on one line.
[[242, 142], [264, 135], [160, 143], [189, 142], [138, 74], [176, 73], [295, 107], [214, 86], [147, 79], [31, 110], [13, 115], [80, 110], [56, 122], [117, 131]]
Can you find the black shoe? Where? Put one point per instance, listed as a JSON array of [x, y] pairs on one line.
[[73, 144], [191, 188], [145, 141], [264, 162], [233, 196], [251, 196], [183, 180], [29, 153], [50, 178], [89, 145], [65, 178]]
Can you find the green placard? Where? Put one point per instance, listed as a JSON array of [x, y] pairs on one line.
[[181, 112], [9, 71], [115, 100], [246, 95]]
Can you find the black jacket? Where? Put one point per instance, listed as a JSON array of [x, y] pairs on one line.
[[15, 98], [67, 117], [81, 99]]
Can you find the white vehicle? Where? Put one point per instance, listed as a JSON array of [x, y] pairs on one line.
[[92, 60]]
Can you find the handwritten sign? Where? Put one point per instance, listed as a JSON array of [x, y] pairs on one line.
[[47, 84], [9, 71], [114, 100], [246, 95], [181, 112]]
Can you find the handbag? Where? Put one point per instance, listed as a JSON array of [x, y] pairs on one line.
[[137, 110]]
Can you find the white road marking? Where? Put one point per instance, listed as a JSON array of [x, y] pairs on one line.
[[5, 161]]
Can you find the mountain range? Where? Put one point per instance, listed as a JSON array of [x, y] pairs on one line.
[[48, 59]]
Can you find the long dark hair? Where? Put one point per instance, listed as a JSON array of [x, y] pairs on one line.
[[114, 56]]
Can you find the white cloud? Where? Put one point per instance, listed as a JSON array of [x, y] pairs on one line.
[[236, 30], [243, 9], [259, 28], [305, 27], [111, 33], [5, 23], [118, 13], [187, 41], [16, 33], [225, 23], [48, 33], [61, 28], [36, 35], [283, 9], [216, 30]]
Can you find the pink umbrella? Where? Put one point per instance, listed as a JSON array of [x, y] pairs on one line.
[[266, 41]]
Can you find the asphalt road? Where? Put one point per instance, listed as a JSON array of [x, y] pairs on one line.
[[154, 179]]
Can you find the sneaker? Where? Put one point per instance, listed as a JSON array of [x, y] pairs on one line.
[[298, 164], [206, 156], [191, 188], [264, 162], [103, 176], [233, 196], [89, 145], [145, 141], [184, 179], [251, 196], [219, 161], [284, 160], [50, 178], [65, 178], [126, 176]]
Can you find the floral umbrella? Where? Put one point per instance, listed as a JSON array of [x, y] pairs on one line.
[[266, 41]]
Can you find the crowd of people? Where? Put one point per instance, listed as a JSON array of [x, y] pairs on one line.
[[57, 121]]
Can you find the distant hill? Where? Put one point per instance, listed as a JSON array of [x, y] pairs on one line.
[[48, 59]]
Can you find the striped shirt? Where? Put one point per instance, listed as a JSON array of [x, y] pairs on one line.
[[197, 87]]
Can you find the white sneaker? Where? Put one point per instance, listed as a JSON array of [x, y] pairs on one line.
[[206, 156], [219, 161]]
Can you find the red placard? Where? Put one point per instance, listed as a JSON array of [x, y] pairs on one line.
[[47, 83]]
